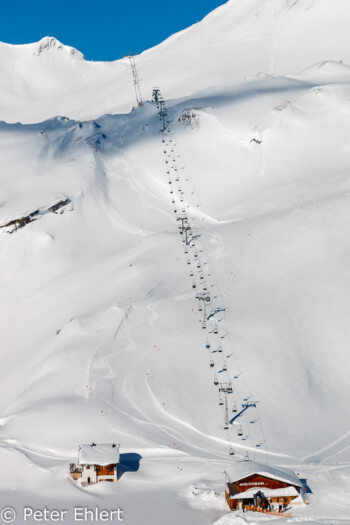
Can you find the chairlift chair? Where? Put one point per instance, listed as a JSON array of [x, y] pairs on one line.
[[234, 408], [220, 349], [240, 431], [211, 364], [216, 382], [231, 451], [194, 284], [221, 401], [224, 368]]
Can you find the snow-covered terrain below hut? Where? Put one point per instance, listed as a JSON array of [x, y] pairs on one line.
[[102, 339]]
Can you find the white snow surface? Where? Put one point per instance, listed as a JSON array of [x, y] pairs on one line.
[[268, 493], [243, 469], [98, 454], [102, 339]]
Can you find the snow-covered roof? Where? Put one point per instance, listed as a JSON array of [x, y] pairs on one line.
[[98, 454], [243, 469], [267, 493]]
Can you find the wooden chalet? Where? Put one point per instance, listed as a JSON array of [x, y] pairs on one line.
[[250, 483], [96, 463]]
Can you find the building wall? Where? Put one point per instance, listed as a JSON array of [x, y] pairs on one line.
[[257, 482], [95, 473], [89, 472]]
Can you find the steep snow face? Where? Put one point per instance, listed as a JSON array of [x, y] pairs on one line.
[[237, 40]]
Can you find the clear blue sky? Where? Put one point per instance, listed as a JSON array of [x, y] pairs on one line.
[[100, 29]]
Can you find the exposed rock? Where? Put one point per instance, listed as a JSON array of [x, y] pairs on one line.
[[190, 118], [20, 222]]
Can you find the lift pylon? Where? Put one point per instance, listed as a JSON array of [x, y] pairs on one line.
[[226, 388], [136, 80]]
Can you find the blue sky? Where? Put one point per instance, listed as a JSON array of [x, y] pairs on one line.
[[100, 29]]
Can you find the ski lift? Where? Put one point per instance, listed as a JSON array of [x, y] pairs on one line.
[[221, 401], [231, 451], [194, 284], [234, 408], [200, 309], [198, 265], [224, 368], [207, 345], [188, 260], [171, 191], [191, 273], [215, 330], [211, 363], [216, 382], [195, 254], [225, 427], [204, 325], [205, 288], [175, 210], [220, 349], [201, 277], [240, 431]]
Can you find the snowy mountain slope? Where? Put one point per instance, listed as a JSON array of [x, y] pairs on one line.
[[236, 41], [101, 333]]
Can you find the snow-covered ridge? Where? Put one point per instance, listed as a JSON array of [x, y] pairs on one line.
[[50, 43]]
